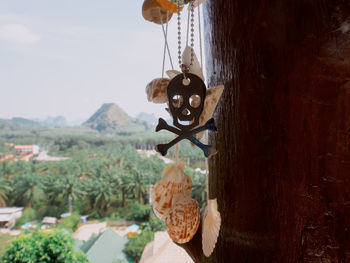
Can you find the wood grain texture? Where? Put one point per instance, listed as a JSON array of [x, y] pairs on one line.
[[282, 174]]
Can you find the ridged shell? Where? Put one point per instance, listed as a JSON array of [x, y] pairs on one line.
[[152, 11], [183, 219], [211, 227], [174, 181], [156, 90]]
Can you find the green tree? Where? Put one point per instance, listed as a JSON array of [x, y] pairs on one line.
[[137, 243], [28, 189], [5, 189], [53, 247], [125, 186]]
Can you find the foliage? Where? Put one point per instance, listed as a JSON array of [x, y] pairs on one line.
[[137, 243], [4, 243], [102, 174], [139, 212], [5, 189], [53, 247], [28, 215], [153, 225], [135, 211], [70, 222]]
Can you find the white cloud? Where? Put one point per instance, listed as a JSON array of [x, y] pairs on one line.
[[18, 33]]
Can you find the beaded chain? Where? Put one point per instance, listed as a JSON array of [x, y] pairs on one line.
[[185, 68]]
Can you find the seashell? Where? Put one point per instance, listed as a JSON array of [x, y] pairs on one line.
[[156, 90], [168, 5], [211, 227], [174, 181], [152, 11], [211, 100], [172, 73], [196, 67], [183, 219]]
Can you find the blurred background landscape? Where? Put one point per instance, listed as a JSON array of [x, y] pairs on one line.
[[77, 159]]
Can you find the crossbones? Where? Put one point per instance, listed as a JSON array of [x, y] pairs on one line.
[[186, 95], [187, 134]]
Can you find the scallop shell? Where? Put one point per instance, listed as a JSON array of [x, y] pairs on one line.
[[196, 67], [156, 90], [174, 181], [211, 227], [183, 219], [152, 11]]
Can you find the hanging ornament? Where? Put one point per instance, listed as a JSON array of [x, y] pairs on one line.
[[211, 227], [191, 106], [183, 219], [152, 11], [156, 90], [186, 96], [169, 5], [174, 181], [186, 104]]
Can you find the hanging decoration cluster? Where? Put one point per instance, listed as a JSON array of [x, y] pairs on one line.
[[191, 106]]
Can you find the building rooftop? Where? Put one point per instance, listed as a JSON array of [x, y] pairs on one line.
[[24, 146], [10, 210], [107, 247], [163, 249]]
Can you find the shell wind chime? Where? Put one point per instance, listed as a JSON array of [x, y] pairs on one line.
[[191, 105]]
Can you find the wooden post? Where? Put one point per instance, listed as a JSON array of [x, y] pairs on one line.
[[282, 174]]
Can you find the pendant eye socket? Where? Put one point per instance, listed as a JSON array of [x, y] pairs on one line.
[[177, 101], [195, 101]]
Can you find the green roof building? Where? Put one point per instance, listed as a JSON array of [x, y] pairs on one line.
[[107, 247]]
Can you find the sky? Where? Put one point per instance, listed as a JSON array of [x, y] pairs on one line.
[[68, 57]]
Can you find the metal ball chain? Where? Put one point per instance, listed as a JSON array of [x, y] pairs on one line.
[[185, 68]]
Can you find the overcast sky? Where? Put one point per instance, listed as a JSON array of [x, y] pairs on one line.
[[67, 57]]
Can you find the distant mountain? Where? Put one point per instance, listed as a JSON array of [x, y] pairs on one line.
[[19, 123], [110, 118], [58, 121], [150, 119]]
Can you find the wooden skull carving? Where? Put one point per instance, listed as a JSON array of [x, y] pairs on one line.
[[186, 102]]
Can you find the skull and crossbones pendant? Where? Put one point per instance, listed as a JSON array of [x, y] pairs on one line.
[[186, 98]]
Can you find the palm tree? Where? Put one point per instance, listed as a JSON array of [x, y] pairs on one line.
[[139, 186], [5, 188], [125, 185], [6, 169], [100, 193], [29, 189], [68, 184]]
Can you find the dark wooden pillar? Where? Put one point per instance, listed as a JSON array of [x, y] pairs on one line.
[[282, 174]]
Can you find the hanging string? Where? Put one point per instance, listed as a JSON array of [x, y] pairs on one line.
[[200, 37], [166, 45], [188, 26], [163, 65], [177, 159]]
